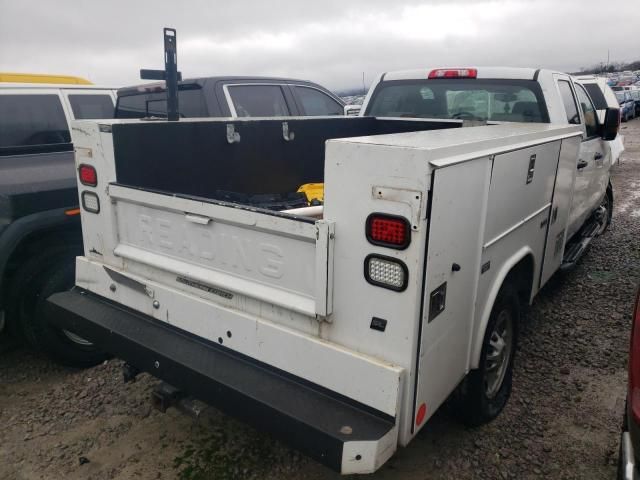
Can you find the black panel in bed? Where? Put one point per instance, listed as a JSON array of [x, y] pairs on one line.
[[195, 158]]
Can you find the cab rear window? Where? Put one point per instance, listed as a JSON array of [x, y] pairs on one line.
[[466, 99], [191, 103]]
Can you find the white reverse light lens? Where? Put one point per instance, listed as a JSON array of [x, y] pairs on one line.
[[90, 202], [386, 273]]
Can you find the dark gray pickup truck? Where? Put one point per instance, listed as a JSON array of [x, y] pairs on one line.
[[231, 97]]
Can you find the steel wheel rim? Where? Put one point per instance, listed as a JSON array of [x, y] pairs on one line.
[[498, 353], [605, 206], [77, 339]]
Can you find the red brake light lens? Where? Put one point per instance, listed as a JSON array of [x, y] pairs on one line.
[[88, 175], [388, 231], [453, 73], [634, 363]]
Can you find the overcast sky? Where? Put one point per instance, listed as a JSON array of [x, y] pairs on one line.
[[331, 42]]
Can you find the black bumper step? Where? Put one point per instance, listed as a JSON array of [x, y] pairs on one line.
[[306, 416]]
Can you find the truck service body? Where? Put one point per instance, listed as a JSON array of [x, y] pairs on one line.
[[341, 332]]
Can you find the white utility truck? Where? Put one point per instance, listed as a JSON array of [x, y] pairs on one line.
[[339, 328]]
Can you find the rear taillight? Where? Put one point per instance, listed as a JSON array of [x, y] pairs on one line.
[[453, 73], [634, 363], [88, 175], [388, 231]]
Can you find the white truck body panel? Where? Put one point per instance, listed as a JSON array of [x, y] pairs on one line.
[[290, 292]]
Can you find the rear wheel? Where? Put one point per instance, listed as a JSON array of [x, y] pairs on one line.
[[485, 391], [43, 275]]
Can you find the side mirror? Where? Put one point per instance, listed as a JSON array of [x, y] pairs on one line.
[[352, 110], [611, 123]]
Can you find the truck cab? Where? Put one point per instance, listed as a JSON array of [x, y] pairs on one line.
[[507, 95]]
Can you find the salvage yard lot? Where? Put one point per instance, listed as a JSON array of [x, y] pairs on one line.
[[562, 421]]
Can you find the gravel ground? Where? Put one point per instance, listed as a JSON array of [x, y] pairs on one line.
[[562, 421]]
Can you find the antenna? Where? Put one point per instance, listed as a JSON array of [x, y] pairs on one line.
[[170, 74]]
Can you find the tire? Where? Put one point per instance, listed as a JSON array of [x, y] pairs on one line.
[[607, 203], [485, 391], [619, 469], [20, 285], [45, 275]]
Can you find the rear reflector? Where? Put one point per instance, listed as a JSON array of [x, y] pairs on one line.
[[388, 231], [453, 73], [422, 412], [634, 363], [386, 272], [88, 175], [90, 202]]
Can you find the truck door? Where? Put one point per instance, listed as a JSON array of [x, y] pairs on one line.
[[598, 152], [590, 154], [560, 208], [456, 223]]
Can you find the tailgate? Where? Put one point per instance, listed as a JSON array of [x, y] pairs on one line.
[[227, 249]]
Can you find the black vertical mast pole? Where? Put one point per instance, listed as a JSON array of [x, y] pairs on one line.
[[171, 73]]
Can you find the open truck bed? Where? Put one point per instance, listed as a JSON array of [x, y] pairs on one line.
[[313, 328]]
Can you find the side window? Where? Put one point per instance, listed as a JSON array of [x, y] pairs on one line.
[[596, 95], [589, 112], [91, 106], [30, 120], [315, 102], [258, 101], [569, 102]]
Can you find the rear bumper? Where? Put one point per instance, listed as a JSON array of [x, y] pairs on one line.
[[344, 435], [627, 460]]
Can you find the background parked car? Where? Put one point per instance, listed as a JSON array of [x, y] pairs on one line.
[[231, 97], [635, 94], [627, 105], [39, 215]]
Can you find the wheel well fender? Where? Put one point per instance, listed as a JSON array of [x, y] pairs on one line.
[[518, 268], [35, 231]]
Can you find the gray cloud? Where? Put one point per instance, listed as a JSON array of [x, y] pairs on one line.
[[331, 42]]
